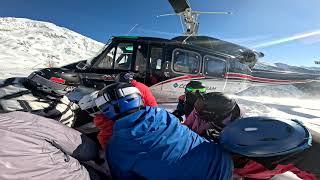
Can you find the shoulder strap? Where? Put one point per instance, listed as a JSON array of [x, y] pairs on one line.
[[7, 82], [17, 94]]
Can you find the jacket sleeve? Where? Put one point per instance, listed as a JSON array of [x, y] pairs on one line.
[[149, 99], [147, 95], [179, 112], [105, 126]]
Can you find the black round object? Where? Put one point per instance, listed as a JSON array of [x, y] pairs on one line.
[[214, 106]]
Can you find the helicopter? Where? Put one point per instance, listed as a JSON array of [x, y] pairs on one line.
[[167, 65]]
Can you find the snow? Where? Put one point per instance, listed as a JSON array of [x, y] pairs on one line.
[[275, 101], [273, 91], [26, 45], [263, 65]]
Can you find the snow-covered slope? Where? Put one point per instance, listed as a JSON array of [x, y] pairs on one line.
[[278, 91], [285, 67], [27, 44]]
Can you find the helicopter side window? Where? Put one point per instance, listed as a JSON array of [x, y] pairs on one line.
[[123, 56], [107, 61], [239, 67], [214, 66], [186, 61]]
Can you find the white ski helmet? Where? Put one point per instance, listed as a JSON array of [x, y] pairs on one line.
[[88, 104]]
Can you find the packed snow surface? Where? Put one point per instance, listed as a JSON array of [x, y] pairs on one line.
[[283, 101]]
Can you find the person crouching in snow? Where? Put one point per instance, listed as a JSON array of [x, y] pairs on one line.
[[35, 147], [150, 143], [42, 93], [193, 90], [213, 111], [105, 125]]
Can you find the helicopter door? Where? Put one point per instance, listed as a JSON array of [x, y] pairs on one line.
[[185, 64], [214, 69], [156, 60], [140, 67]]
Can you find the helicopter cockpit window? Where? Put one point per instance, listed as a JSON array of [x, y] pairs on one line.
[[107, 60], [214, 67], [186, 61], [123, 56]]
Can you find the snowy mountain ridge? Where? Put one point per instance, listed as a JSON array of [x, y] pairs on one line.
[[285, 67], [26, 45]]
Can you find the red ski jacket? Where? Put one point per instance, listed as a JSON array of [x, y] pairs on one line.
[[147, 96]]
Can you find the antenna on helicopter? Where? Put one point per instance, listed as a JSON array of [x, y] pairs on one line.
[[132, 29], [190, 17]]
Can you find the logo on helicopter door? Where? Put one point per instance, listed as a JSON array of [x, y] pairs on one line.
[[183, 86]]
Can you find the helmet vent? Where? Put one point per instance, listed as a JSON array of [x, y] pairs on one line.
[[248, 129], [268, 139], [131, 99], [243, 145], [116, 108]]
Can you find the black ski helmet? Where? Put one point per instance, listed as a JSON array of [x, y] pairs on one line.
[[54, 80], [124, 77], [214, 107], [193, 91], [195, 86]]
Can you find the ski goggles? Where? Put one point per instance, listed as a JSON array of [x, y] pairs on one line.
[[193, 90]]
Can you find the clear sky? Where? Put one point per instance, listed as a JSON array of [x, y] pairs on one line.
[[285, 30]]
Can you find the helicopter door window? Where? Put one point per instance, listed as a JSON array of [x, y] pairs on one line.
[[141, 57], [186, 61], [123, 56], [156, 58], [214, 66], [106, 61]]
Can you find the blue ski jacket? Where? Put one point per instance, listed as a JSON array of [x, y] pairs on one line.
[[153, 144]]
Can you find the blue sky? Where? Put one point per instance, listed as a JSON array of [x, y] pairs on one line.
[[285, 30]]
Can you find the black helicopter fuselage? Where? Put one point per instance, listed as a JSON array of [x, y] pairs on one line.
[[166, 66]]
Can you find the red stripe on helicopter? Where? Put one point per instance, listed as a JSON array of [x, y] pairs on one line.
[[181, 78], [231, 75], [259, 79]]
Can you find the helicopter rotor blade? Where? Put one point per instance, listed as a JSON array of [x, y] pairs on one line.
[[179, 6], [203, 12], [170, 14]]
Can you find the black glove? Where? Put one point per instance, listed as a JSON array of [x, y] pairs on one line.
[[177, 114]]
